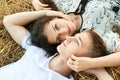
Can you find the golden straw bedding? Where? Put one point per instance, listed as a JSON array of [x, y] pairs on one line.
[[11, 52]]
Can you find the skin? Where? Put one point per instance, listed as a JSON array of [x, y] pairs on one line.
[[77, 45], [59, 28]]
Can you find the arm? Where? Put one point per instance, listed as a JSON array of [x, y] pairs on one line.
[[83, 63], [109, 60], [15, 23]]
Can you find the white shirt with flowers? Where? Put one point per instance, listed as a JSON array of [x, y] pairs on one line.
[[67, 6], [99, 16]]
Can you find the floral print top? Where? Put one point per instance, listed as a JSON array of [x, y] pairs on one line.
[[100, 16], [67, 6]]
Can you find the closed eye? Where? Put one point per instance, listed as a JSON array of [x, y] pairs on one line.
[[56, 27], [77, 42], [58, 39]]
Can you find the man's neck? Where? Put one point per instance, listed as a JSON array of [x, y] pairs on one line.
[[56, 64]]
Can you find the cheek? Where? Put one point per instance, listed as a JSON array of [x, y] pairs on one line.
[[59, 49], [75, 51], [71, 50]]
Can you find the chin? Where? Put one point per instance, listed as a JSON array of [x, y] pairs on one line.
[[58, 48]]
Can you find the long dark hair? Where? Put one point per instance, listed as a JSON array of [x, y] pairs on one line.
[[83, 3], [36, 29]]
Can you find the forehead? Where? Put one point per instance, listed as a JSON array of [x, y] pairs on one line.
[[50, 33], [85, 38]]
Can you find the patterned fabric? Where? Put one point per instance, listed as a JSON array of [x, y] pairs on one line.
[[99, 15], [67, 6]]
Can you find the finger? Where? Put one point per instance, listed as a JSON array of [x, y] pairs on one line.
[[70, 65], [62, 15], [44, 5], [46, 8], [74, 57], [70, 61], [37, 9], [67, 17]]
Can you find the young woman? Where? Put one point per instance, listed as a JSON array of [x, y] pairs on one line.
[[46, 25], [34, 65], [103, 16]]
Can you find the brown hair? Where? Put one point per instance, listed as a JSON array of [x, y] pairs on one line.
[[50, 3], [98, 46], [36, 29]]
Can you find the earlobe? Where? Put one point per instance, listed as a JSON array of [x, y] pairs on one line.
[[78, 54]]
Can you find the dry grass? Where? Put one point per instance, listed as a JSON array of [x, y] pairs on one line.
[[11, 52]]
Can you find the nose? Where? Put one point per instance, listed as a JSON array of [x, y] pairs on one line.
[[63, 31], [70, 38]]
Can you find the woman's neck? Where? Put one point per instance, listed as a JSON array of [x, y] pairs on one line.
[[77, 20], [58, 65]]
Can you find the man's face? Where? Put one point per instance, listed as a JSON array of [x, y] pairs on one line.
[[77, 45]]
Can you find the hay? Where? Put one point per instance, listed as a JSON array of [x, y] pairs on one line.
[[11, 52]]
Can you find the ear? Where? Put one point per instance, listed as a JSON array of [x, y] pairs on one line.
[[80, 54]]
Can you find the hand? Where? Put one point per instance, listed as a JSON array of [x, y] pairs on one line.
[[57, 14], [80, 63], [39, 6]]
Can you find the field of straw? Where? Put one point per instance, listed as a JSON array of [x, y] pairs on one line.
[[11, 52]]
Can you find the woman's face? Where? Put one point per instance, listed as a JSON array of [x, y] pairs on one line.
[[57, 30], [78, 45]]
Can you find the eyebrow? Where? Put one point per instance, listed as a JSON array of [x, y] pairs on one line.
[[81, 41], [53, 28]]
